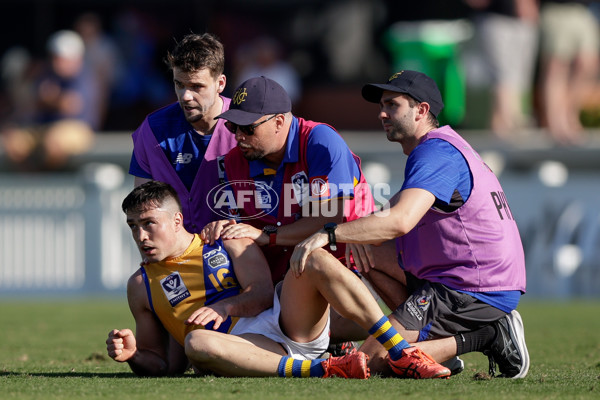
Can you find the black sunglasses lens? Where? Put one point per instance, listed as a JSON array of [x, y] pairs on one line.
[[245, 129], [231, 127]]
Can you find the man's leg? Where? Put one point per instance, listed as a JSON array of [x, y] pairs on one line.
[[326, 281], [387, 281], [503, 341], [343, 329], [432, 311], [253, 355], [231, 355]]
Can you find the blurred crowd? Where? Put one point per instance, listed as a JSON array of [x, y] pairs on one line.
[[543, 57], [53, 106], [538, 59]]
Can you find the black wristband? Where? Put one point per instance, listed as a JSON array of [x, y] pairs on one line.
[[330, 228]]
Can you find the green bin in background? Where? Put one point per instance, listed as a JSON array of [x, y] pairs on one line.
[[432, 47]]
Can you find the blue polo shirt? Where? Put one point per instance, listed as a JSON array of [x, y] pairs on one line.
[[327, 156]]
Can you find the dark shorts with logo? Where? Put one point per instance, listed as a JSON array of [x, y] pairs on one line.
[[437, 311]]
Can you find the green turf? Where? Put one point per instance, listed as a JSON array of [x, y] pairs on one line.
[[55, 350]]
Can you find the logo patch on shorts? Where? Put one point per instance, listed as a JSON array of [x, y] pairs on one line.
[[174, 288], [419, 306], [423, 302]]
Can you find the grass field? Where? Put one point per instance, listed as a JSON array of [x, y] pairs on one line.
[[54, 349]]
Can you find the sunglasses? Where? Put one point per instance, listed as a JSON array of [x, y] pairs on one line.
[[247, 130]]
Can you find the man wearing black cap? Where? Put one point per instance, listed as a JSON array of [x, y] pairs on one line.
[[298, 175], [462, 268], [301, 173]]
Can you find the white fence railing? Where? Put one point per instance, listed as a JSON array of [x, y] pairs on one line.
[[65, 233]]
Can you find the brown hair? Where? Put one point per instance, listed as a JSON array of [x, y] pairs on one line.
[[151, 193], [195, 52]]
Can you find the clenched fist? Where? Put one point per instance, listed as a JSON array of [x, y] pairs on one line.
[[120, 344]]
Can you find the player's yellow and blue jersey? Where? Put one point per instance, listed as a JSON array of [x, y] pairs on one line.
[[176, 287]]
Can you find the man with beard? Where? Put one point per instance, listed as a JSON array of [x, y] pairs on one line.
[[182, 143], [288, 176], [301, 174], [451, 262]]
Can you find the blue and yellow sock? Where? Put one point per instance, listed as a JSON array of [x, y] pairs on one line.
[[389, 337], [288, 367]]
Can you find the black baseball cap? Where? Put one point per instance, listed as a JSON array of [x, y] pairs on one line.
[[254, 98], [413, 83]]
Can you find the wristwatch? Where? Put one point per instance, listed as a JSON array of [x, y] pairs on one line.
[[271, 231], [330, 229]]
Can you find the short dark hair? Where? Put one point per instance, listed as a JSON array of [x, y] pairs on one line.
[[432, 119], [195, 52], [151, 193]]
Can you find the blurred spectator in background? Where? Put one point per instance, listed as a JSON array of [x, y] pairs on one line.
[[264, 57], [17, 69], [141, 84], [508, 35], [60, 123], [344, 34], [101, 61], [569, 61]]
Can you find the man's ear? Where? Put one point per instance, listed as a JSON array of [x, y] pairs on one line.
[[222, 81], [178, 219], [279, 121], [423, 110]]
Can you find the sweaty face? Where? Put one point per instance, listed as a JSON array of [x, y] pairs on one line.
[[153, 230], [197, 93]]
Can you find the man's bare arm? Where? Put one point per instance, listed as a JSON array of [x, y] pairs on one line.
[[151, 352]]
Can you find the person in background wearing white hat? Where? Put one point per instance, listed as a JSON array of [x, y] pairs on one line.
[[62, 120]]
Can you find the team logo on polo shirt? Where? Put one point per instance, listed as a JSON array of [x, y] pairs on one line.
[[174, 288], [300, 187], [319, 187], [184, 158]]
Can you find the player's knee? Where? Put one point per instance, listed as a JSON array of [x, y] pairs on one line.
[[321, 261], [201, 346]]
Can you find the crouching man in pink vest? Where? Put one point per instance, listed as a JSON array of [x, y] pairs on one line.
[[451, 263]]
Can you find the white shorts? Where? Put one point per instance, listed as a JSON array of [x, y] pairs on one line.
[[267, 324]]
